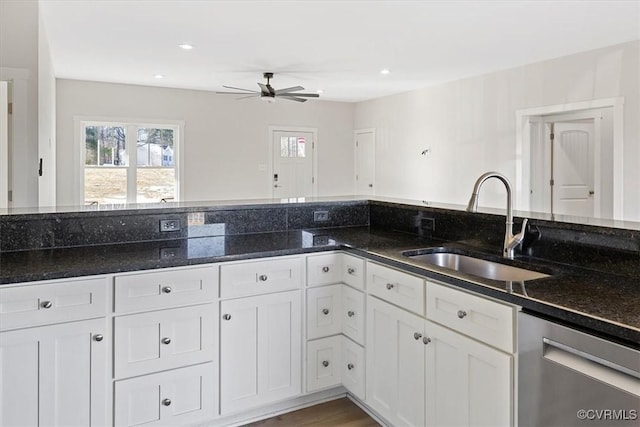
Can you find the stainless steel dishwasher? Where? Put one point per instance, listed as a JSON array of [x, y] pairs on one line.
[[570, 378]]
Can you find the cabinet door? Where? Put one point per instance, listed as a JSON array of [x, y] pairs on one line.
[[324, 311], [54, 375], [324, 269], [353, 368], [179, 397], [165, 339], [468, 383], [353, 314], [260, 350], [395, 363], [324, 363]]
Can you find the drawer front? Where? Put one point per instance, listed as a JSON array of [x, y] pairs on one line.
[[260, 277], [53, 302], [180, 397], [165, 288], [353, 273], [399, 288], [353, 368], [477, 317], [159, 340], [323, 362], [324, 269], [353, 314], [324, 311]]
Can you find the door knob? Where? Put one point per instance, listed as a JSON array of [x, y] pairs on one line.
[[263, 277], [351, 270], [166, 402], [417, 335], [389, 286], [98, 337], [351, 313], [226, 317], [325, 363], [462, 314], [166, 340], [426, 340], [350, 366], [325, 311], [167, 289], [46, 304], [325, 269]]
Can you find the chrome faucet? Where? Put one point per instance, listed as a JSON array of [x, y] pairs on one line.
[[511, 241]]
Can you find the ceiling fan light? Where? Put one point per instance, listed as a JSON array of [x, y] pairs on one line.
[[268, 99], [185, 46], [385, 71]]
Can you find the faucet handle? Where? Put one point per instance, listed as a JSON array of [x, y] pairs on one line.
[[523, 229]]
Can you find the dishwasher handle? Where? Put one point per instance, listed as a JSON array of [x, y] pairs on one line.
[[592, 366]]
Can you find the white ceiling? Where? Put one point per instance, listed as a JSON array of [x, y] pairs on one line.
[[337, 46]]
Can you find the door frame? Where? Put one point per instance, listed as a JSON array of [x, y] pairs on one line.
[[355, 157], [523, 146], [314, 151], [4, 144]]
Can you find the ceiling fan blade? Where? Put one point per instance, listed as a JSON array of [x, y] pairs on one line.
[[306, 95], [239, 88], [292, 98], [249, 96], [238, 93], [289, 89], [265, 88]]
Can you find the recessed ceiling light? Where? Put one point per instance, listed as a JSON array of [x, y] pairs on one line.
[[384, 71], [159, 76], [185, 46], [319, 91]]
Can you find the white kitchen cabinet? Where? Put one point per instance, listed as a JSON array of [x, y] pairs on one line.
[[324, 365], [54, 375], [353, 368], [468, 383], [353, 314], [395, 368], [260, 276], [324, 311], [335, 267], [260, 350], [165, 339], [172, 398], [397, 287]]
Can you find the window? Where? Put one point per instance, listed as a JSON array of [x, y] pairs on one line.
[[129, 162], [292, 146]]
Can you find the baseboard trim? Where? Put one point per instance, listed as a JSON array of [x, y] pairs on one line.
[[377, 418]]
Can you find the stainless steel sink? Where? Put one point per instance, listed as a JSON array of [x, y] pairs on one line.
[[476, 266]]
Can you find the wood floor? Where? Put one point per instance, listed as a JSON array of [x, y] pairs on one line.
[[340, 412]]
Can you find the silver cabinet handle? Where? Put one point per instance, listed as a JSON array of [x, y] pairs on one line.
[[166, 402], [325, 311], [351, 313], [462, 314], [390, 286], [350, 366], [166, 340], [426, 340], [417, 335], [46, 304], [325, 269], [167, 289], [325, 363], [351, 270], [226, 317], [98, 337], [263, 277]]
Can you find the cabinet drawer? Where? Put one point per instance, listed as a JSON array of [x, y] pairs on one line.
[[166, 339], [260, 277], [165, 288], [180, 397], [324, 269], [323, 362], [324, 311], [477, 317], [353, 271], [399, 288], [52, 302], [353, 313], [353, 368]]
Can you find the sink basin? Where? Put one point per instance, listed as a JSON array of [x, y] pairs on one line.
[[476, 266]]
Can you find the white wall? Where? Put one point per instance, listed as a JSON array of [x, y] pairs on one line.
[[470, 125], [224, 142]]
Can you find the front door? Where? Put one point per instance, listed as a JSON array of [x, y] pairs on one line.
[[293, 174]]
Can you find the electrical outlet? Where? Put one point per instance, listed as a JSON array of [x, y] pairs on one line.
[[169, 253], [428, 224], [169, 225], [320, 216]]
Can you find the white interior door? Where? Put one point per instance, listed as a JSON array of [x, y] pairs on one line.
[[365, 152], [573, 169], [293, 167], [4, 144]]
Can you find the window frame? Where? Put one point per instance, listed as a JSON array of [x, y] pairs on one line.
[[131, 126]]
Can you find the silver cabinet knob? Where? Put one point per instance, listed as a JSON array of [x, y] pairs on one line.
[[350, 366], [325, 311], [226, 317], [390, 286], [98, 337], [462, 314], [351, 270], [166, 340], [325, 269], [325, 363], [351, 313], [46, 304], [167, 289], [166, 402], [426, 340], [417, 335], [263, 277]]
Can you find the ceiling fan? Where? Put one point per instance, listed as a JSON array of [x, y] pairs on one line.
[[268, 93]]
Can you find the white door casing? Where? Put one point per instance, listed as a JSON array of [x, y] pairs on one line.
[[4, 144], [293, 162], [365, 161]]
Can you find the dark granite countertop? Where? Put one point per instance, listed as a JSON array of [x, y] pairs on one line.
[[601, 303]]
